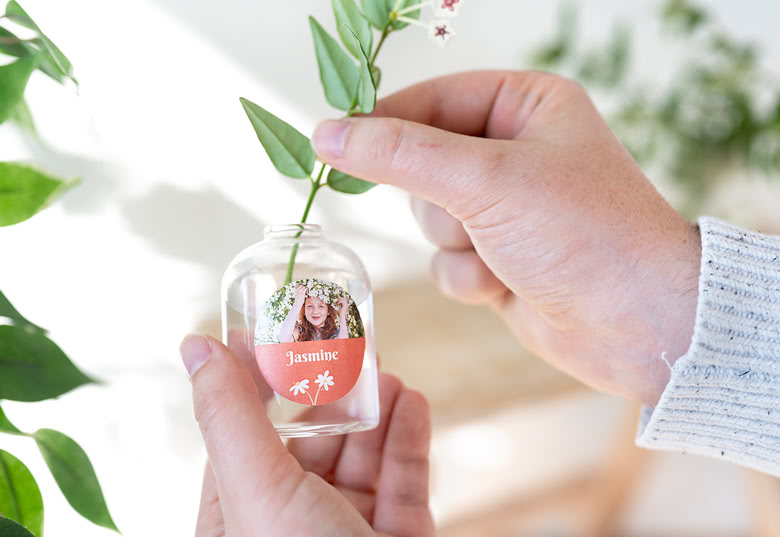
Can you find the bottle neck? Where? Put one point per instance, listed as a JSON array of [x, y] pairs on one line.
[[292, 231]]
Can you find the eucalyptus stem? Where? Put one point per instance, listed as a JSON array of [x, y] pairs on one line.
[[385, 33], [315, 186]]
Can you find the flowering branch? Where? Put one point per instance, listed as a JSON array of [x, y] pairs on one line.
[[415, 7], [349, 85]]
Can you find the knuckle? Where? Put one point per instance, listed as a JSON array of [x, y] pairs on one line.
[[409, 498], [420, 402], [498, 173], [301, 489], [211, 406], [387, 146], [391, 379], [562, 82], [571, 88], [551, 82], [392, 384]]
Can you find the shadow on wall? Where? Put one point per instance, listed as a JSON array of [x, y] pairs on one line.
[[99, 183], [202, 227], [234, 27], [343, 226]]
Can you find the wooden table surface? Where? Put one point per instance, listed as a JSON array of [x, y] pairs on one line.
[[463, 358]]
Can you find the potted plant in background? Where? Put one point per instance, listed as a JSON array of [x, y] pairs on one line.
[[717, 117]]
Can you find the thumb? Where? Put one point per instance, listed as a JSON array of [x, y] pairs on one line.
[[454, 171], [255, 473]]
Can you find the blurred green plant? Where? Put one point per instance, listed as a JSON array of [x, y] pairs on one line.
[[32, 366], [718, 114]]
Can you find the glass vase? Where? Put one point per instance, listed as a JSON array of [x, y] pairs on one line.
[[297, 310]]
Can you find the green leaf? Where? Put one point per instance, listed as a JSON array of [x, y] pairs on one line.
[[341, 182], [24, 191], [682, 16], [338, 72], [367, 90], [58, 66], [376, 73], [7, 310], [13, 80], [7, 427], [20, 497], [9, 528], [23, 118], [75, 476], [57, 59], [607, 66], [348, 14], [47, 66], [20, 50], [398, 25], [556, 52], [289, 150], [33, 368], [377, 13], [17, 50]]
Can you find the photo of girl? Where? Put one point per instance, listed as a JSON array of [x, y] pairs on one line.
[[312, 319], [308, 310]]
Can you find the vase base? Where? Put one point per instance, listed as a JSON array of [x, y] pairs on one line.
[[301, 430]]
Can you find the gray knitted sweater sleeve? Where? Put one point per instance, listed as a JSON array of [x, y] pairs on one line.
[[723, 399]]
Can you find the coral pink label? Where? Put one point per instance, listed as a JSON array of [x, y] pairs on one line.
[[312, 372]]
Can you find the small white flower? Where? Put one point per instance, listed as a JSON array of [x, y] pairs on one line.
[[446, 8], [324, 380], [301, 386], [440, 31]]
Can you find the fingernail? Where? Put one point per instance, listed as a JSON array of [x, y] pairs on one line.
[[329, 138], [195, 351]]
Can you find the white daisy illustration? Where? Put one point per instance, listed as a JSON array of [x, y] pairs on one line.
[[300, 387], [324, 380]]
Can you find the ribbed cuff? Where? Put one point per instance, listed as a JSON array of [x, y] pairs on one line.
[[723, 398]]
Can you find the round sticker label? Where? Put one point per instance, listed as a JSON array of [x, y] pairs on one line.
[[310, 341]]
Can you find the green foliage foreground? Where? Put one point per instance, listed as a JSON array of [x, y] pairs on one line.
[[32, 366]]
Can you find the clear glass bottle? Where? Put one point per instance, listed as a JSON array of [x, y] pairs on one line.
[[315, 374]]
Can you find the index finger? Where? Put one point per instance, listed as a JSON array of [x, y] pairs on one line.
[[474, 103]]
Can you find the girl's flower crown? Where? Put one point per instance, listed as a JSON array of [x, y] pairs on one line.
[[327, 292]]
